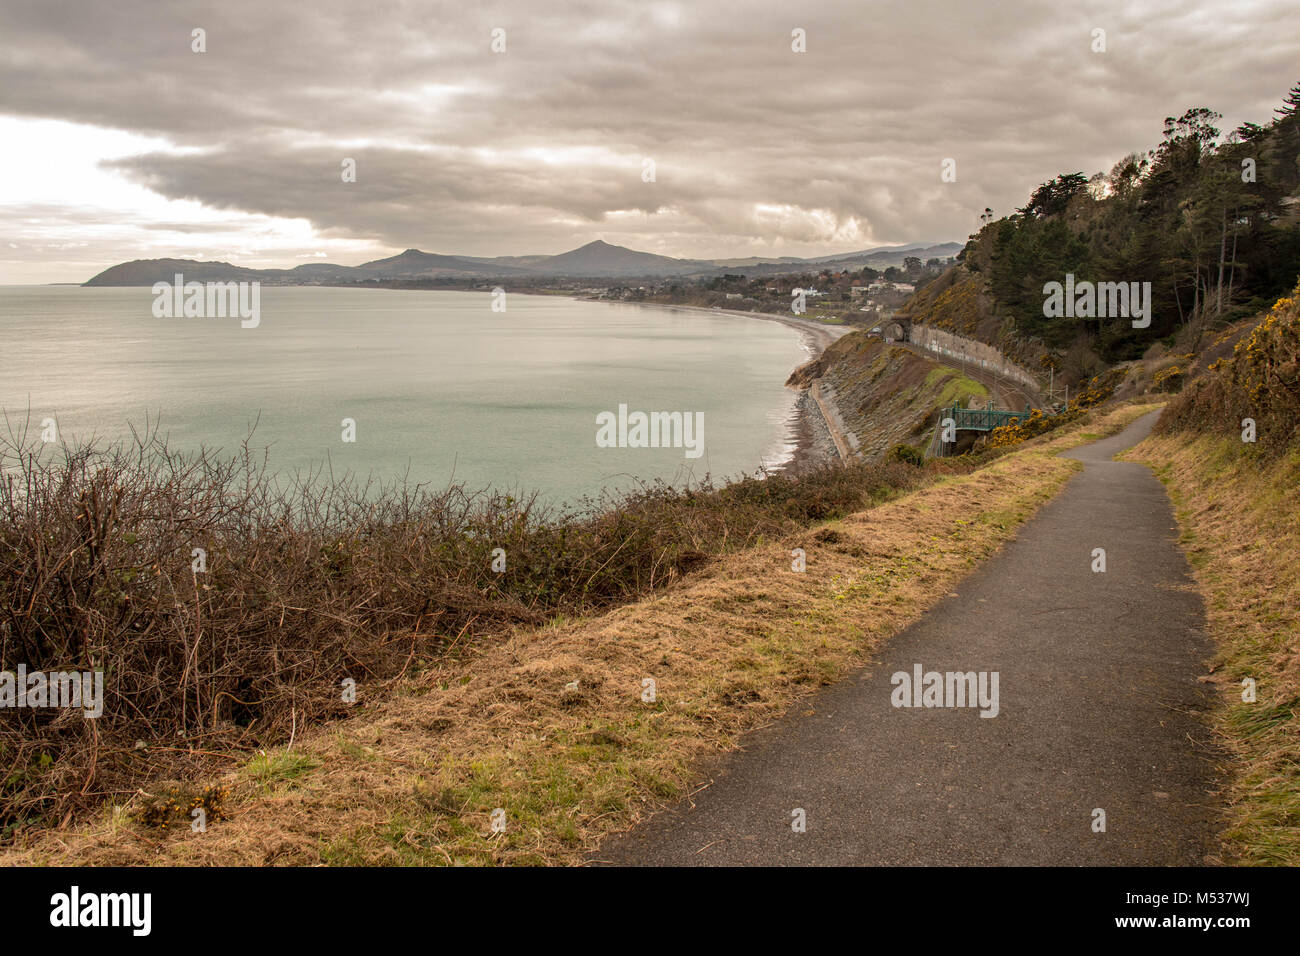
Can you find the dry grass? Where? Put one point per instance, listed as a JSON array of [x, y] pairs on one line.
[[303, 581], [1241, 531], [550, 726]]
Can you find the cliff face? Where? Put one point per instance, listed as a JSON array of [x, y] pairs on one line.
[[883, 395]]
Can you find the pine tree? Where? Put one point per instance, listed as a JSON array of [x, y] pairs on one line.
[[1291, 103]]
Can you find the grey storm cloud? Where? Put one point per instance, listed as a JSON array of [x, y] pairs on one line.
[[539, 148]]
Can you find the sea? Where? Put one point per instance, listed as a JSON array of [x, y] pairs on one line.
[[426, 387]]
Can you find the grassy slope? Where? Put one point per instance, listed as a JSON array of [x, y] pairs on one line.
[[413, 778], [1240, 525]]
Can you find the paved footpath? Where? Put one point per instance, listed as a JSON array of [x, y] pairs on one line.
[[1099, 708]]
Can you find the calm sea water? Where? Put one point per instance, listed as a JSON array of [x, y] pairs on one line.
[[441, 387]]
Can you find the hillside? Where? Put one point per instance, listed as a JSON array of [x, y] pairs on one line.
[[539, 718], [1233, 489], [1210, 221], [884, 395]]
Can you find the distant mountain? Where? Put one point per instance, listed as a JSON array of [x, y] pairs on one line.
[[879, 257], [596, 260], [602, 259], [318, 271], [149, 271], [921, 249], [414, 264]]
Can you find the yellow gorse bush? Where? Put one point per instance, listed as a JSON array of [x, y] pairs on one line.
[[1017, 430], [1168, 379], [1259, 381]]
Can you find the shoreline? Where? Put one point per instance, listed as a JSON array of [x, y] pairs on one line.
[[810, 437], [817, 336]]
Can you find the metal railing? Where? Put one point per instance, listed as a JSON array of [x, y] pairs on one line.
[[983, 419]]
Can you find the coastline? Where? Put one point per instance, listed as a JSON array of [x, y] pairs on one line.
[[817, 336], [811, 437]]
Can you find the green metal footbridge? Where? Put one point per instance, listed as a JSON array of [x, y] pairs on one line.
[[981, 419]]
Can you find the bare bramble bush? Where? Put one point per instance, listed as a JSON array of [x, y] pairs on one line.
[[227, 607], [1259, 381]]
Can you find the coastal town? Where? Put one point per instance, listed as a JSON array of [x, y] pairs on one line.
[[862, 297]]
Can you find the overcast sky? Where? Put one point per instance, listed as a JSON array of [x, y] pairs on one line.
[[120, 142]]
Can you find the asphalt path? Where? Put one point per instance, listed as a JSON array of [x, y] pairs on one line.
[[1099, 709]]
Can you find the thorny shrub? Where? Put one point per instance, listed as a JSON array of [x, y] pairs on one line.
[[308, 581]]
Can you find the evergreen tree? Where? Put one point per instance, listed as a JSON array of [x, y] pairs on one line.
[[1214, 242], [1290, 103]]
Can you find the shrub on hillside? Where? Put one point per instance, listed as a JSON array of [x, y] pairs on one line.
[[1168, 379], [907, 454], [225, 607], [1021, 429], [1094, 393], [1260, 381]]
